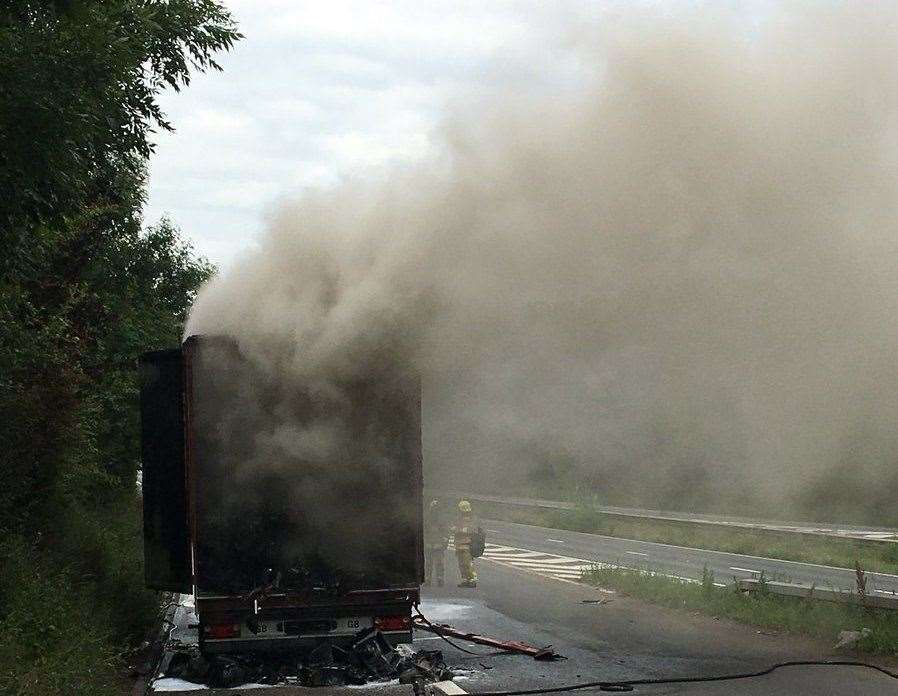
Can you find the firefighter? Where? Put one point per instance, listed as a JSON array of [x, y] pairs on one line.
[[462, 534], [436, 541]]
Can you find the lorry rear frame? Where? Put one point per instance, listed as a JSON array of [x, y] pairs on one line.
[[280, 561]]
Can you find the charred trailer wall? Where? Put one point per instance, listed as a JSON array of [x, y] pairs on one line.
[[305, 485], [166, 537]]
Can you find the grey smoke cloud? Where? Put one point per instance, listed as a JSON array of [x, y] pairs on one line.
[[678, 286]]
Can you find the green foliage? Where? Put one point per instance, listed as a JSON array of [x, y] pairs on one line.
[[793, 615], [78, 93], [84, 289], [763, 586], [88, 305], [53, 643], [65, 627], [69, 423], [707, 579]]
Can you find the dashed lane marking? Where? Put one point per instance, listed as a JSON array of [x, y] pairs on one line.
[[745, 570], [636, 553]]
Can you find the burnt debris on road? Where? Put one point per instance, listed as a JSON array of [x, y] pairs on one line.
[[368, 657]]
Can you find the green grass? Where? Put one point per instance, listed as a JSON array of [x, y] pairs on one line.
[[812, 618], [844, 553], [70, 612], [52, 641]]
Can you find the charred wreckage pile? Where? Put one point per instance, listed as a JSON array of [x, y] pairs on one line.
[[369, 657]]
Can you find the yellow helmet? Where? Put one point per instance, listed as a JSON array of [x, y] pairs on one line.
[[464, 506]]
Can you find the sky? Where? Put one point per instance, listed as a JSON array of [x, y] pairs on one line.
[[319, 92], [673, 267]]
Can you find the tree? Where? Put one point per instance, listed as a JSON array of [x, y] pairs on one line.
[[83, 290], [79, 83], [78, 88]]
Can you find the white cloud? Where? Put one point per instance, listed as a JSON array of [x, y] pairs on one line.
[[319, 91]]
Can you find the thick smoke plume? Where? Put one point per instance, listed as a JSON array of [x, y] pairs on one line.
[[678, 287]]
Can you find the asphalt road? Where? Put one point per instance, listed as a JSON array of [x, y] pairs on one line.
[[835, 529], [616, 638], [622, 639], [529, 591], [677, 561]]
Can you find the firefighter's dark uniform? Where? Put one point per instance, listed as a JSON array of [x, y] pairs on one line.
[[436, 541], [462, 533]]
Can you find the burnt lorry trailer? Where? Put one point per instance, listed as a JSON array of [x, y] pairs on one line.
[[292, 513]]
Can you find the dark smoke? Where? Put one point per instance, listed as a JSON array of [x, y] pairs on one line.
[[677, 288], [282, 469]]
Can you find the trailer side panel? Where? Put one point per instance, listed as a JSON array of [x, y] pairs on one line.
[[166, 538]]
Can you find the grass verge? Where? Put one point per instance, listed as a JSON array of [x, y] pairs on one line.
[[71, 613], [812, 618], [844, 553]]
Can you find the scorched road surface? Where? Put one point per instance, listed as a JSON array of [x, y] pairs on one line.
[[621, 639]]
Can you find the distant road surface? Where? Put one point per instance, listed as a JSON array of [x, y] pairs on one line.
[[563, 555], [817, 528]]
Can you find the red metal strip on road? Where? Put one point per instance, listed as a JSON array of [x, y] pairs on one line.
[[516, 646]]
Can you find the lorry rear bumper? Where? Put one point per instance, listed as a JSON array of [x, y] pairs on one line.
[[291, 623], [289, 644]]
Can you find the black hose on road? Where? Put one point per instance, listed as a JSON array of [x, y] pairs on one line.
[[627, 685]]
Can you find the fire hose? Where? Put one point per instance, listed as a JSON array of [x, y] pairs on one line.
[[627, 685], [504, 647], [546, 653]]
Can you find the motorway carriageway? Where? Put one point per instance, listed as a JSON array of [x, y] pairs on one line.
[[829, 529], [564, 555]]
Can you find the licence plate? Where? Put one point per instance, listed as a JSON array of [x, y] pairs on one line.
[[345, 625], [353, 624]]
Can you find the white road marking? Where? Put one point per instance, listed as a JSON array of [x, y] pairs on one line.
[[544, 575], [522, 553], [547, 563], [745, 570], [561, 568], [537, 561], [555, 541], [550, 568], [568, 562], [636, 553], [721, 553], [555, 569], [519, 553]]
